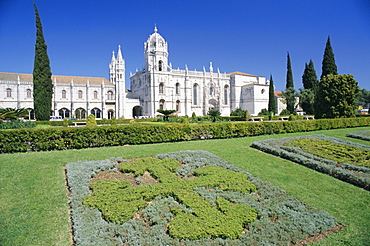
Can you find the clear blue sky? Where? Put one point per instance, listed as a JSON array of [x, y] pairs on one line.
[[251, 36]]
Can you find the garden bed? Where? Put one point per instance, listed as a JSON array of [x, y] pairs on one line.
[[363, 135], [199, 199], [341, 159]]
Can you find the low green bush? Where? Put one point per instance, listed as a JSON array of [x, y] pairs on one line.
[[22, 140], [16, 124]]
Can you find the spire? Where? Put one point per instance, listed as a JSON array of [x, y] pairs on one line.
[[210, 67], [119, 53], [155, 28], [113, 57]]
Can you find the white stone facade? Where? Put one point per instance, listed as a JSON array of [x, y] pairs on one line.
[[156, 86]]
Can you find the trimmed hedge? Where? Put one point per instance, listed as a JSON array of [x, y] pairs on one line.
[[347, 172], [363, 135], [21, 140]]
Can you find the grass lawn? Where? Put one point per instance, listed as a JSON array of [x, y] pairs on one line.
[[33, 201]]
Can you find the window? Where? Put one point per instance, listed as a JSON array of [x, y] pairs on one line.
[[64, 94], [160, 65], [79, 94], [195, 94], [28, 92], [226, 94], [80, 113], [211, 91], [95, 95], [161, 104], [161, 88], [178, 105], [177, 89], [110, 95], [64, 113], [96, 112], [8, 92]]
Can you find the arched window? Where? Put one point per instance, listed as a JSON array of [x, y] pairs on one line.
[[161, 104], [226, 94], [110, 114], [31, 114], [211, 91], [80, 94], [80, 113], [195, 94], [178, 105], [95, 95], [64, 94], [96, 112], [177, 89], [8, 92], [28, 92], [64, 113], [160, 65], [110, 95], [161, 88]]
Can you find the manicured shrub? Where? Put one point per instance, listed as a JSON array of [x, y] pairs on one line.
[[87, 137], [364, 135]]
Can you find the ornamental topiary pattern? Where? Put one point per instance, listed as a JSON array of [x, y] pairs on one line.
[[119, 202]]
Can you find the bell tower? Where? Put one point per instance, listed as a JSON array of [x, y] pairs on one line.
[[117, 77], [156, 53]]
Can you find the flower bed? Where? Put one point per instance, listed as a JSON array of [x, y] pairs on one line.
[[364, 135], [329, 160], [199, 199]]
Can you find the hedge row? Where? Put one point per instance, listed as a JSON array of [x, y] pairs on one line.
[[282, 219], [23, 140], [363, 135], [347, 172]]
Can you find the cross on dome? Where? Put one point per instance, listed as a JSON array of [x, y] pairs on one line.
[[155, 28]]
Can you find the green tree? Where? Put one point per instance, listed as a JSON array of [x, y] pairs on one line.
[[289, 93], [289, 98], [12, 113], [335, 96], [309, 77], [166, 113], [214, 114], [238, 112], [91, 121], [363, 98], [246, 115], [307, 95], [272, 101], [42, 83], [328, 62]]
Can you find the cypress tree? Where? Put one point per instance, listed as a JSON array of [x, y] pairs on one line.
[[289, 92], [272, 102], [309, 81], [42, 83], [309, 77], [289, 75], [328, 62]]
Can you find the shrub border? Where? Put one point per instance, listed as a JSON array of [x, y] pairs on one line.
[[359, 135], [356, 175], [23, 140]]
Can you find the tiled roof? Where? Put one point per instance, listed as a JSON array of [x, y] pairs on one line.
[[277, 93], [58, 78], [240, 73]]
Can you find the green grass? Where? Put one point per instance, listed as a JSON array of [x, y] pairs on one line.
[[34, 208]]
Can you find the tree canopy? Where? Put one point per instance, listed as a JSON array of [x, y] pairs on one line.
[[335, 96], [166, 113], [328, 62], [272, 101], [214, 114], [42, 83]]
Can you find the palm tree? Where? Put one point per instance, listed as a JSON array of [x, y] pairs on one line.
[[214, 114], [12, 113], [166, 113]]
